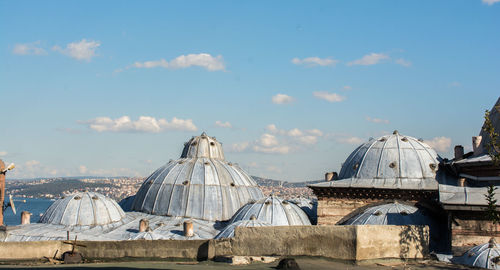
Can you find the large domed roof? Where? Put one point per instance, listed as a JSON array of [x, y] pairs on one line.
[[393, 161], [391, 156], [274, 211], [201, 184], [83, 209]]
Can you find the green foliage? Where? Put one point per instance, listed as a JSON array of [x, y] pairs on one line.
[[491, 210], [493, 146]]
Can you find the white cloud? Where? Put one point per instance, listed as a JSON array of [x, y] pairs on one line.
[[403, 62], [440, 144], [315, 132], [32, 163], [280, 141], [203, 60], [347, 88], [330, 97], [223, 124], [490, 2], [315, 61], [283, 149], [239, 147], [143, 124], [268, 140], [272, 128], [351, 140], [28, 48], [377, 120], [269, 144], [282, 99], [295, 132], [82, 50], [369, 59], [308, 139], [82, 169], [297, 135], [3, 153], [114, 172]]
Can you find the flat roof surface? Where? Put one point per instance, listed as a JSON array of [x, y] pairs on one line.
[[304, 263]]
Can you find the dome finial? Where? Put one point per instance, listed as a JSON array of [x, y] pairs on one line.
[[203, 134], [395, 132], [492, 243]]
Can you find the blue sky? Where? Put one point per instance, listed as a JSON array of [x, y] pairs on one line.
[[289, 87]]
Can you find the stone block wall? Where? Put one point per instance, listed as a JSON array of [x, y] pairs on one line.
[[331, 210], [471, 228]]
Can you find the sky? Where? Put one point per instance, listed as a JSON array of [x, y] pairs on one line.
[[290, 88]]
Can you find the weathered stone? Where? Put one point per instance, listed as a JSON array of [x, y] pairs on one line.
[[72, 257], [288, 264], [349, 242]]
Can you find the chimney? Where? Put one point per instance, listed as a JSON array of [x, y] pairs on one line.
[[144, 225], [462, 182], [188, 229], [459, 152], [25, 217], [329, 176], [476, 141]]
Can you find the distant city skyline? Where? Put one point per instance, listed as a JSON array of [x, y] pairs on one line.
[[290, 89]]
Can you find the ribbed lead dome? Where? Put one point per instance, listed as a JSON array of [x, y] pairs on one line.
[[83, 209], [274, 211], [483, 256], [390, 214], [201, 184], [228, 232], [203, 147], [391, 157]]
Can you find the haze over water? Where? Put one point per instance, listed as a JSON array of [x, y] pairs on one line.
[[35, 206]]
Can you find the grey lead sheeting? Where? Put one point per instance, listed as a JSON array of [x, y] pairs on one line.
[[201, 184]]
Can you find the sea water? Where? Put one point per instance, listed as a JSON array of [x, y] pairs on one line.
[[35, 206]]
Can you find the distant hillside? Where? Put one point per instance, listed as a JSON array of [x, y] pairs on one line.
[[64, 178], [56, 187], [276, 183]]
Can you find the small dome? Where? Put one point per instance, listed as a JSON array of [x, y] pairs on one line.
[[309, 206], [228, 232], [273, 210], [126, 204], [391, 156], [201, 184], [83, 209], [203, 146], [483, 256], [390, 214]]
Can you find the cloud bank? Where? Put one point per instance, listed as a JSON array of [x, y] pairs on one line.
[[145, 124], [315, 61], [203, 60]]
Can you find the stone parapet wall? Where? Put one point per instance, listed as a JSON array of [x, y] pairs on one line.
[[354, 243], [351, 243]]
